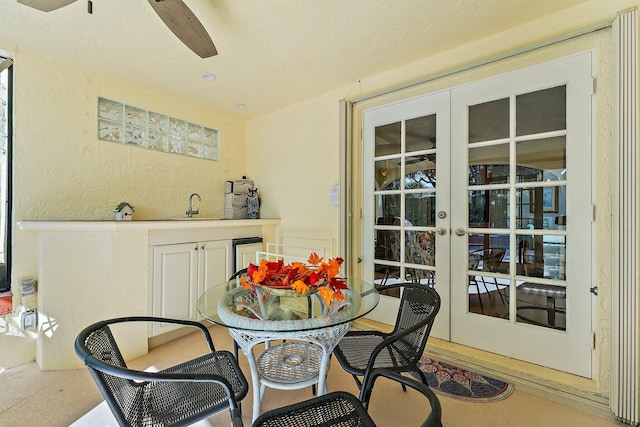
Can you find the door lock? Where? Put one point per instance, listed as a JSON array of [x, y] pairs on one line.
[[460, 232], [442, 214]]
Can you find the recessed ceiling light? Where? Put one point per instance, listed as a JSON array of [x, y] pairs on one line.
[[208, 76], [241, 106]]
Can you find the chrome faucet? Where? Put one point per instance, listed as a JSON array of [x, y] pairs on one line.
[[191, 212]]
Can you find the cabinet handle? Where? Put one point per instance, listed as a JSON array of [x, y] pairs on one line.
[[196, 247], [202, 247]]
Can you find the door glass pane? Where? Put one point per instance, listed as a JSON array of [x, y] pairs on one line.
[[541, 111], [420, 133], [386, 275], [489, 121], [489, 208], [422, 276], [387, 245], [487, 253], [542, 305], [488, 257], [387, 174], [541, 207], [489, 165], [420, 171], [548, 156], [420, 209], [420, 248], [387, 209], [388, 139], [542, 256]]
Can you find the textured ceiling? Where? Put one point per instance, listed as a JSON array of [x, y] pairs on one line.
[[272, 53]]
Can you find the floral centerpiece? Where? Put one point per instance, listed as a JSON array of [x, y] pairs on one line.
[[316, 276]]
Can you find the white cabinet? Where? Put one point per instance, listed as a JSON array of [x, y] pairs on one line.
[[215, 263], [181, 273]]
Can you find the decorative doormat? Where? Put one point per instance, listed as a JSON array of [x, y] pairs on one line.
[[462, 384], [6, 304]]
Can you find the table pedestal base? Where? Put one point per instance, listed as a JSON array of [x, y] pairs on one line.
[[326, 338]]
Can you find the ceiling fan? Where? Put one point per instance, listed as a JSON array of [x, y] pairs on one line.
[[174, 13]]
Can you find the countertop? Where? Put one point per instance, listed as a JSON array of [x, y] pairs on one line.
[[137, 225]]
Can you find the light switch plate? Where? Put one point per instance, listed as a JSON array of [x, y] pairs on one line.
[[334, 195], [27, 287]]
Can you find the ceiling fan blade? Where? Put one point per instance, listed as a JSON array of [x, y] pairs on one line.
[[185, 25], [46, 5]]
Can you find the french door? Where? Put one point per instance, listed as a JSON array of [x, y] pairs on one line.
[[484, 192], [406, 213]]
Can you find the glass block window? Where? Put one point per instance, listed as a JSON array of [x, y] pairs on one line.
[[126, 124]]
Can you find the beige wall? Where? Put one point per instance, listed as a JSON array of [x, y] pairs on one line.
[[293, 155], [62, 171]]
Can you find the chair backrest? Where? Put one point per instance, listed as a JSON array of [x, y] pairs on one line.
[[238, 273], [419, 305], [96, 345], [337, 408]]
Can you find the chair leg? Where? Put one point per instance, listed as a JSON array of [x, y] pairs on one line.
[[423, 378], [358, 382], [235, 353]]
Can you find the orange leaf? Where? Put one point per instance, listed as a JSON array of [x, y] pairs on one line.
[[300, 267], [339, 296], [261, 273], [333, 269], [243, 282], [326, 294], [314, 259], [300, 287]]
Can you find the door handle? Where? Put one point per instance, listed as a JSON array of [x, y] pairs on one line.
[[460, 231], [441, 231]]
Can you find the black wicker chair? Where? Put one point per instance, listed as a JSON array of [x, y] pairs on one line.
[[235, 276], [177, 396], [344, 409], [359, 352]]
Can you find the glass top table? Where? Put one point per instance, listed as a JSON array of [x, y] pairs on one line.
[[228, 304], [311, 329]]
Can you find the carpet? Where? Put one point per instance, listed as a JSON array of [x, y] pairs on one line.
[[6, 304], [462, 384]]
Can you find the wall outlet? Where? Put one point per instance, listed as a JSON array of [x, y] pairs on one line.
[[28, 319], [27, 287]]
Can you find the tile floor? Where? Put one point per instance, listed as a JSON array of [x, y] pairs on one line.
[[29, 397]]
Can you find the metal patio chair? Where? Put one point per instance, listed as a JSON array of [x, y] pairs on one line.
[[236, 275], [177, 396], [359, 352], [344, 409]]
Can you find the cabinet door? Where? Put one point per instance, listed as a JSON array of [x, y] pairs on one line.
[[215, 260], [175, 283]]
